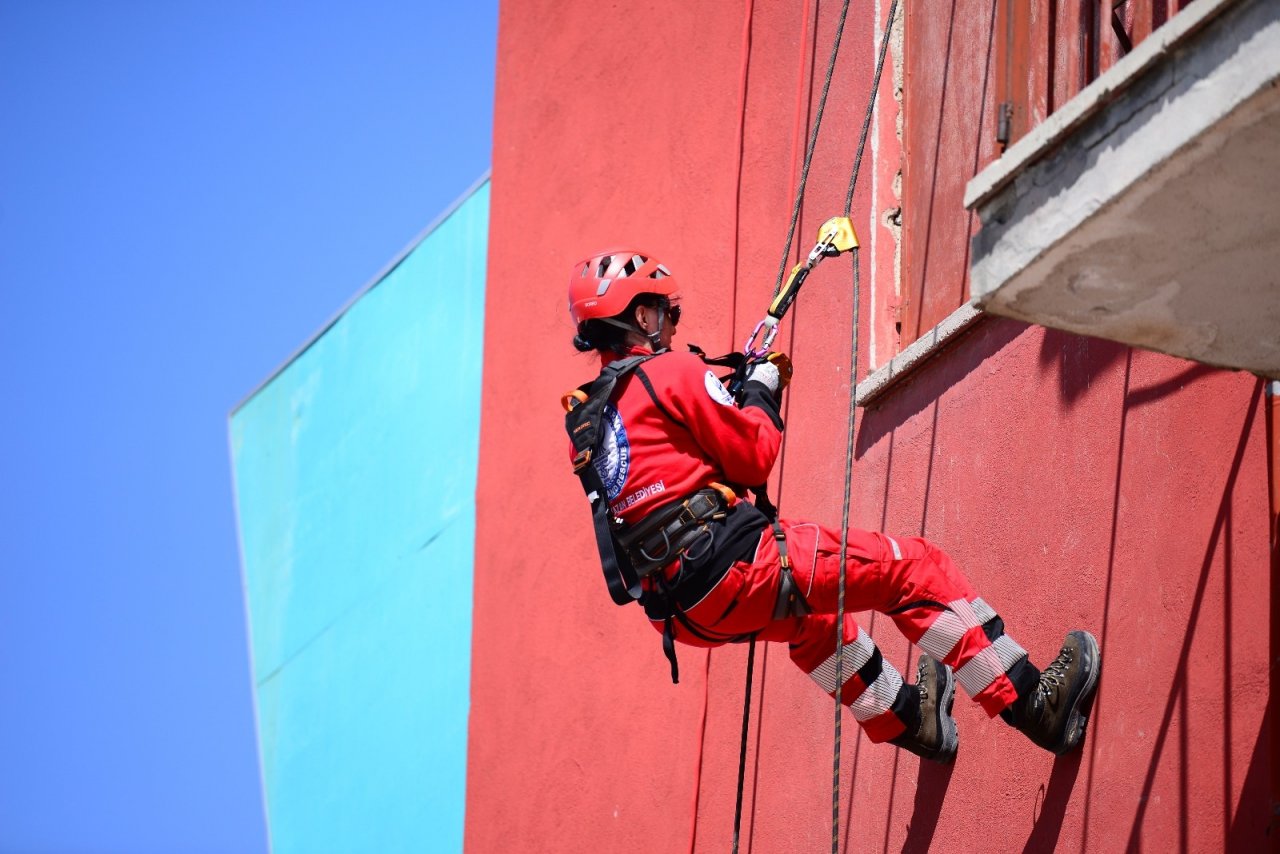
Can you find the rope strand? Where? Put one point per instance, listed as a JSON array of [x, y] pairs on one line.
[[742, 753], [853, 374], [702, 742], [844, 544], [737, 179], [866, 120], [737, 213], [813, 141], [848, 454]]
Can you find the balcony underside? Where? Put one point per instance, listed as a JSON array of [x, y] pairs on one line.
[[1147, 210]]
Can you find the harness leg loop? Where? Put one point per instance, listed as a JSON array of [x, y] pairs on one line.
[[790, 602]]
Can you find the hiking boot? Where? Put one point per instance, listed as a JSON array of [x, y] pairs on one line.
[[937, 738], [1055, 713]]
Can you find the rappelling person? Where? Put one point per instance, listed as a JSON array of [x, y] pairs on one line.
[[665, 453]]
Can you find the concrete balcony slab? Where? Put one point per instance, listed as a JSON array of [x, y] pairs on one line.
[[1147, 209]]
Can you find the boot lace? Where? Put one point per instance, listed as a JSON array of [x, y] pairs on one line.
[[1055, 675], [921, 682]]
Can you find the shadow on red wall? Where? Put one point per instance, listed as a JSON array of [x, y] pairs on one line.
[[1251, 814], [1081, 363]]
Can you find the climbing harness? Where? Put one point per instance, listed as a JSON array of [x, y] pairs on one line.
[[675, 529], [790, 602], [680, 529]]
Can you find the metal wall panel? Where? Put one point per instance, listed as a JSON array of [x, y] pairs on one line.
[[355, 480]]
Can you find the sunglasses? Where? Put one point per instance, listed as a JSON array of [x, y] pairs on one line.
[[672, 311]]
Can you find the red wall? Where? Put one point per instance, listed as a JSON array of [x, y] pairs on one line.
[[1080, 483]]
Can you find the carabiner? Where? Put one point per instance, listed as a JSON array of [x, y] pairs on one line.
[[770, 325], [834, 237]]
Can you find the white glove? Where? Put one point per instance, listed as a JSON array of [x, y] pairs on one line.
[[765, 373]]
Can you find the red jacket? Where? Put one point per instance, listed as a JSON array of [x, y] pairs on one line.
[[688, 434]]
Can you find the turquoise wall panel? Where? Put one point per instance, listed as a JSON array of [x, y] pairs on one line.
[[355, 471]]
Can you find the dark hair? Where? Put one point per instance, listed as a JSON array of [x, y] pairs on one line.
[[609, 334]]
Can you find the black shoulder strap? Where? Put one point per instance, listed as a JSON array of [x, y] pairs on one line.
[[653, 395], [583, 424]]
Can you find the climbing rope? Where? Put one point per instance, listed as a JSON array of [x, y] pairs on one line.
[[853, 370], [866, 119], [737, 207], [848, 450], [742, 750], [808, 154], [791, 230], [835, 238]]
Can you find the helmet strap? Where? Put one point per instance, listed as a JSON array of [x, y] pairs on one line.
[[655, 337], [652, 337]]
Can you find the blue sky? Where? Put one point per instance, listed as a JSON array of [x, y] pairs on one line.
[[187, 192]]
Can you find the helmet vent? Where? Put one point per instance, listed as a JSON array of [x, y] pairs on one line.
[[605, 282]]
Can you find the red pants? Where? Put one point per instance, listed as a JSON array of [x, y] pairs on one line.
[[909, 579]]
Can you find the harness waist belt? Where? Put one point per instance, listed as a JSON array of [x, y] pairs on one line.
[[669, 532]]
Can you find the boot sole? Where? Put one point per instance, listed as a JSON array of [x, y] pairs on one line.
[[1078, 719], [946, 753]]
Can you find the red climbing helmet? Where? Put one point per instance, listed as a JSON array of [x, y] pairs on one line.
[[604, 283]]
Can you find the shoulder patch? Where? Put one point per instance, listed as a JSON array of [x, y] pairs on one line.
[[614, 461], [718, 392]]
